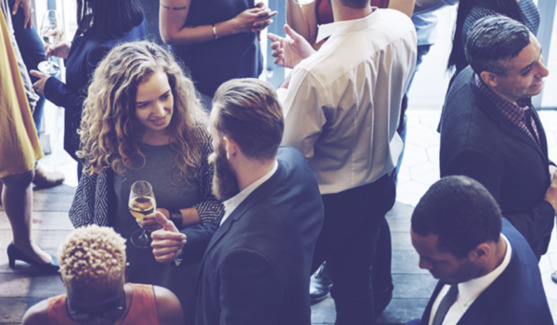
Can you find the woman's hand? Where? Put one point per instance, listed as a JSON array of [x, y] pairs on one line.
[[253, 20], [38, 86], [27, 11], [60, 50]]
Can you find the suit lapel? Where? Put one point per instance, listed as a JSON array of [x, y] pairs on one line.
[[508, 127], [263, 191], [427, 312]]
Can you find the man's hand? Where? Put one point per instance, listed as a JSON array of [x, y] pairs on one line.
[[551, 193], [289, 51], [61, 50], [167, 242], [149, 222], [27, 10], [38, 86]]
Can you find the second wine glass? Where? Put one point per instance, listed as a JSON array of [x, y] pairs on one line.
[[52, 33], [142, 202]]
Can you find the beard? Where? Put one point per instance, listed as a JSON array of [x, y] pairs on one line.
[[225, 184]]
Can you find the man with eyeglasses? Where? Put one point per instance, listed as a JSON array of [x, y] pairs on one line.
[[93, 270]]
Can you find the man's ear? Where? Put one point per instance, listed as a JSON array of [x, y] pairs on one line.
[[480, 253], [230, 146], [489, 78]]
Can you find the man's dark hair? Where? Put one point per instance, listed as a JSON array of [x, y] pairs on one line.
[[355, 4], [461, 212], [492, 39], [249, 112], [508, 8]]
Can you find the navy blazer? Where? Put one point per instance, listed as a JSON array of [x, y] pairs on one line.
[[86, 52], [256, 266], [516, 297], [478, 141]]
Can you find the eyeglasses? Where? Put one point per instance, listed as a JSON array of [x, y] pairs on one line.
[[110, 311]]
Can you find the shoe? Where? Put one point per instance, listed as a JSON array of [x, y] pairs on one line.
[[44, 179], [320, 285], [15, 253]]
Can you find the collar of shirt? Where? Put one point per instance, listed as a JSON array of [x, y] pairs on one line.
[[513, 112], [470, 290], [231, 204], [344, 26]]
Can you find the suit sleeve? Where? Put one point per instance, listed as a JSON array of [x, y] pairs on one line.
[[61, 95], [198, 237], [533, 224], [250, 290]]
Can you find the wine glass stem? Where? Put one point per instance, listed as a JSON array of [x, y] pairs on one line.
[[143, 237]]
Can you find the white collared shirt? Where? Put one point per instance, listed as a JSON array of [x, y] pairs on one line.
[[231, 204], [469, 291], [343, 102]]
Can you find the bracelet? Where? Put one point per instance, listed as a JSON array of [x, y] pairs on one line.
[[215, 32], [176, 218]]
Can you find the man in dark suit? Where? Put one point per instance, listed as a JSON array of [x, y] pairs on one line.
[[257, 258], [487, 272], [491, 132]]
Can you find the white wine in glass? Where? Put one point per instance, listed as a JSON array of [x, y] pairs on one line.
[[52, 33], [142, 202]]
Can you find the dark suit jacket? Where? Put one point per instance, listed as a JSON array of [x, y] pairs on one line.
[[478, 141], [85, 54], [256, 266], [515, 297]]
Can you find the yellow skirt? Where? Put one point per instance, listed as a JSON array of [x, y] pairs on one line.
[[19, 144]]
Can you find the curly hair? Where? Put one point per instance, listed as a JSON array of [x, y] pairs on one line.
[[110, 132], [92, 255]]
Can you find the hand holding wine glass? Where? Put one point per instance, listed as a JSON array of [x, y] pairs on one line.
[[142, 203], [52, 33]]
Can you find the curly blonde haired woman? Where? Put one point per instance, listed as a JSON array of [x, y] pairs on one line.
[[142, 120]]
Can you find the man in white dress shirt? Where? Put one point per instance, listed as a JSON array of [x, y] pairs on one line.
[[487, 272], [342, 109]]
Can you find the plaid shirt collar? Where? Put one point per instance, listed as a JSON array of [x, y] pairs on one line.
[[513, 112]]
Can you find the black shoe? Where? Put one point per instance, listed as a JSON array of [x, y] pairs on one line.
[[15, 253], [320, 285]]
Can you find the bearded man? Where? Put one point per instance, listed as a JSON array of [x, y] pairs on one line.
[[256, 259]]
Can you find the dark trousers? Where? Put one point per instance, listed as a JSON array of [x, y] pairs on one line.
[[348, 241], [32, 52]]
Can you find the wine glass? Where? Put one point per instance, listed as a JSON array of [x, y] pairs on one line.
[[142, 202], [51, 32]]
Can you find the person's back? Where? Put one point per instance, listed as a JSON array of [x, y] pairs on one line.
[[92, 268], [273, 232], [336, 92]]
